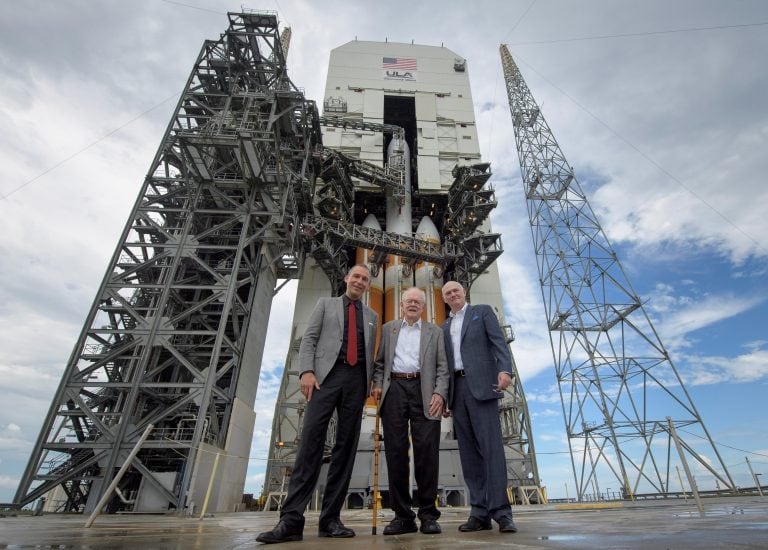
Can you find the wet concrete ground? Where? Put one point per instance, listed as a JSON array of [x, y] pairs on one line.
[[732, 523]]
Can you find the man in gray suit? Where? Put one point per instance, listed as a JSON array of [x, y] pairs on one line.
[[482, 369], [411, 379], [336, 367]]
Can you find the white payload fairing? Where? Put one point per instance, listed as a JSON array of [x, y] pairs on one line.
[[426, 276]]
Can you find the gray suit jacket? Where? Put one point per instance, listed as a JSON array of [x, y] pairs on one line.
[[321, 343], [484, 351], [435, 375]]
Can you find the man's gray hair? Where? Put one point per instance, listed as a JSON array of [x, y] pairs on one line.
[[422, 295]]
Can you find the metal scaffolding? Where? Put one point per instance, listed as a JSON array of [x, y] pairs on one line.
[[617, 382]]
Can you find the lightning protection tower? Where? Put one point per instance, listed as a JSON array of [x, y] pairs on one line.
[[622, 398]]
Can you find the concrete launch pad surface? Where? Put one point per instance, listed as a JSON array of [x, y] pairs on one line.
[[733, 523]]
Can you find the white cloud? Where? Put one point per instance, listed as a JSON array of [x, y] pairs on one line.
[[8, 482], [747, 367], [255, 482], [546, 413], [551, 437], [549, 395], [681, 315]]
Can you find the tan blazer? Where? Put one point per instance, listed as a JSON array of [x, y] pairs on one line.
[[321, 343], [435, 376]]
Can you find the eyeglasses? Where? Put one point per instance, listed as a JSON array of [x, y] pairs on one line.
[[417, 302]]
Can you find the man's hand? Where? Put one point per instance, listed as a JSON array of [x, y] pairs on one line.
[[308, 384], [436, 405], [376, 394], [504, 380]]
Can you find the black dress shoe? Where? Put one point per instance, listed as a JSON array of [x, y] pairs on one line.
[[335, 529], [430, 527], [400, 526], [281, 533], [475, 524], [506, 525]]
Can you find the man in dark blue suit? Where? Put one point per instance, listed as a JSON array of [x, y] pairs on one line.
[[479, 357]]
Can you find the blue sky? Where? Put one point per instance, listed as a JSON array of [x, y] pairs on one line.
[[660, 108]]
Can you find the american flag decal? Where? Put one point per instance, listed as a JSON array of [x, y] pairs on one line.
[[398, 63]]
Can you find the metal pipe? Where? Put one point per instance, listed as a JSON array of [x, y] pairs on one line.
[[210, 486], [691, 481], [124, 468], [754, 476]]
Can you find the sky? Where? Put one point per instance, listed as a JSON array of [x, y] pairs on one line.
[[660, 107]]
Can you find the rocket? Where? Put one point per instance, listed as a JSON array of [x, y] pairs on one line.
[[398, 276], [387, 286], [374, 297]]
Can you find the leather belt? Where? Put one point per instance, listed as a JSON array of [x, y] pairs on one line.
[[459, 373], [404, 375]]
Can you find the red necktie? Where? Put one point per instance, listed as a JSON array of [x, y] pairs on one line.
[[352, 336]]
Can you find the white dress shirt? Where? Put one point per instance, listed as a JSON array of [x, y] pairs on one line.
[[406, 358], [457, 320]]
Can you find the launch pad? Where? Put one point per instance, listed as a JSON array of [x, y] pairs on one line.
[[251, 187], [740, 522]]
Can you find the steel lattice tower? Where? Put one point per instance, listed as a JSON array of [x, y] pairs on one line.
[[621, 395], [172, 338]]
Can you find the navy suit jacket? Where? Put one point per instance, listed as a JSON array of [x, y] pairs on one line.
[[484, 352]]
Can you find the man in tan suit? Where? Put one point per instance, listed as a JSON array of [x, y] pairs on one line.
[[411, 377]]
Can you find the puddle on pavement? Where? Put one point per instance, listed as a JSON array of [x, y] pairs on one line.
[[562, 538], [725, 511]]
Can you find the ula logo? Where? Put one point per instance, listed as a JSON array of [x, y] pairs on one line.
[[398, 74]]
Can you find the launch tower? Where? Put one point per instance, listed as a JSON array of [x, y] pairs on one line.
[[175, 335]]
